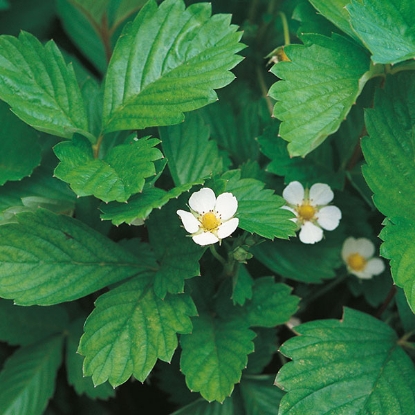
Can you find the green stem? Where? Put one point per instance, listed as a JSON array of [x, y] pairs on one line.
[[285, 28], [217, 256]]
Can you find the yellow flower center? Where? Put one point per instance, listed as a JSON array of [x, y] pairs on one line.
[[209, 221], [306, 212], [356, 262]]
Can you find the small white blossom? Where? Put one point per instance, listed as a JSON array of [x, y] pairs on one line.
[[358, 257], [311, 210], [210, 219]]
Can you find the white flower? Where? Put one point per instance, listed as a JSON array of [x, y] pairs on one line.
[[358, 257], [311, 210], [210, 219]]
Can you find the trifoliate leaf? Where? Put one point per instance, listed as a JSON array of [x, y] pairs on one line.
[[352, 366], [319, 85], [191, 155], [121, 173], [282, 257], [259, 210], [139, 206], [74, 362], [318, 167], [129, 329], [224, 346], [47, 259], [20, 151], [176, 253], [336, 12], [28, 378], [25, 325], [260, 395], [168, 61], [31, 73], [271, 304], [386, 27]]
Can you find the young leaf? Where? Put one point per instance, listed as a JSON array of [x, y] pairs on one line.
[[139, 206], [224, 346], [389, 172], [20, 151], [28, 377], [259, 209], [25, 325], [120, 174], [386, 27], [82, 384], [48, 259], [168, 61], [191, 155], [130, 329], [354, 365], [41, 89], [177, 254], [319, 85], [242, 286]]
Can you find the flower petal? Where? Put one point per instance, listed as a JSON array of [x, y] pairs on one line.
[[364, 274], [310, 233], [226, 205], [375, 266], [329, 217], [320, 194], [365, 247], [205, 238], [349, 248], [190, 223], [294, 193], [203, 200], [227, 228]]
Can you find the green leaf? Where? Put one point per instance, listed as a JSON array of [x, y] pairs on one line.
[[398, 247], [138, 207], [31, 73], [81, 384], [352, 366], [265, 347], [168, 61], [282, 257], [94, 9], [260, 395], [242, 286], [191, 155], [25, 325], [202, 407], [28, 378], [318, 167], [118, 10], [224, 346], [386, 27], [318, 87], [48, 259], [20, 151], [336, 12], [129, 329], [271, 304], [176, 253], [121, 173], [259, 209], [389, 149]]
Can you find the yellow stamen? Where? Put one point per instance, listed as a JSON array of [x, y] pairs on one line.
[[306, 212], [356, 262], [209, 221]]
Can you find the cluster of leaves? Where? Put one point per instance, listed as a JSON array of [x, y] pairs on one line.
[[101, 145]]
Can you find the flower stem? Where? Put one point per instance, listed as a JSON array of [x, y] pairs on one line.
[[220, 258], [285, 28]]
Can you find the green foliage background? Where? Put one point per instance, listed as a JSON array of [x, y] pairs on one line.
[[113, 112]]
